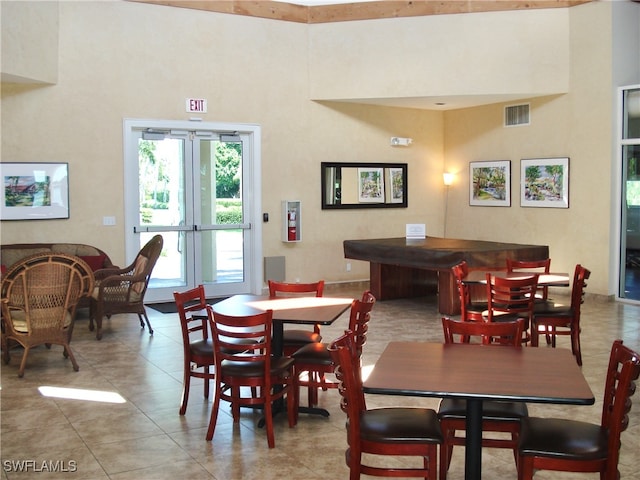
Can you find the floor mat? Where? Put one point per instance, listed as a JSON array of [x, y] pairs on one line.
[[170, 307]]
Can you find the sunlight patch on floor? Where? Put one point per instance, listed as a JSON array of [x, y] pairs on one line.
[[82, 394]]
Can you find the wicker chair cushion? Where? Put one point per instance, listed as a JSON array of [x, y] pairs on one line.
[[134, 297], [96, 262], [19, 320], [141, 264]]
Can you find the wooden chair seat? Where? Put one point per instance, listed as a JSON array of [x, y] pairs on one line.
[[315, 353], [567, 439], [549, 306], [279, 366], [389, 425]]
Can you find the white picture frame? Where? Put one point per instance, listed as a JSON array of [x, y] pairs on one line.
[[490, 183], [544, 182], [34, 191]]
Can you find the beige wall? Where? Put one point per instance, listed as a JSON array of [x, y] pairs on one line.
[[30, 42], [488, 53], [127, 60]]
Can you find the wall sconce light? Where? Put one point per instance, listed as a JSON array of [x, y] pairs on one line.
[[448, 178], [401, 141]]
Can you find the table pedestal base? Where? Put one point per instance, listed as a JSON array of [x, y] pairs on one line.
[[473, 448]]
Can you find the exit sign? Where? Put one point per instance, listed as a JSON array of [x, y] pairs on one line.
[[196, 105]]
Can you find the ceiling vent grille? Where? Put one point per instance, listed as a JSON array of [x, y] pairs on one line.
[[516, 115]]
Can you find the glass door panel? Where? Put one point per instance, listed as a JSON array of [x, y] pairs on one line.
[[629, 282], [222, 226], [190, 190]]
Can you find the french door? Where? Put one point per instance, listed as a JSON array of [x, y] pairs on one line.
[[629, 148], [198, 185]]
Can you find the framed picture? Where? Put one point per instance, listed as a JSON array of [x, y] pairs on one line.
[[370, 185], [544, 182], [490, 183], [395, 184], [34, 191]]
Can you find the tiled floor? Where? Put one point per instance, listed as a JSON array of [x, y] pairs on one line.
[[145, 438]]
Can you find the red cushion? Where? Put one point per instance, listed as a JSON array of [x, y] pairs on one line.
[[96, 262], [3, 269]]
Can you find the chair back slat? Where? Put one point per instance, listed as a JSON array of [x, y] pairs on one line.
[[533, 266], [622, 372], [192, 311], [511, 295], [232, 334], [487, 333], [295, 289], [346, 362], [580, 277], [359, 318]]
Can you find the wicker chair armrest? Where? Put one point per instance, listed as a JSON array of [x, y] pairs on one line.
[[103, 273]]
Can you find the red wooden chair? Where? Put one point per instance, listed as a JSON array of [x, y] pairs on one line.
[[315, 359], [574, 446], [511, 298], [196, 345], [532, 266], [557, 319], [269, 377], [469, 309], [486, 333], [496, 416], [382, 431], [293, 339]]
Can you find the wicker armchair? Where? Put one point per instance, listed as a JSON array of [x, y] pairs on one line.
[[121, 290], [40, 294]]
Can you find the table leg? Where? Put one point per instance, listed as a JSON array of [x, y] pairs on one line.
[[277, 339], [277, 348], [473, 447]]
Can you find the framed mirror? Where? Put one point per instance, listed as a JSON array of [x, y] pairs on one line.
[[363, 185]]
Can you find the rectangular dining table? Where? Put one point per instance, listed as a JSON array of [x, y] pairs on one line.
[[294, 310], [477, 373]]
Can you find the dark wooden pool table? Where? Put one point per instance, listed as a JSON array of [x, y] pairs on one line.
[[401, 267]]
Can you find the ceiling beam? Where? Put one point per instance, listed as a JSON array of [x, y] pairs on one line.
[[342, 12]]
